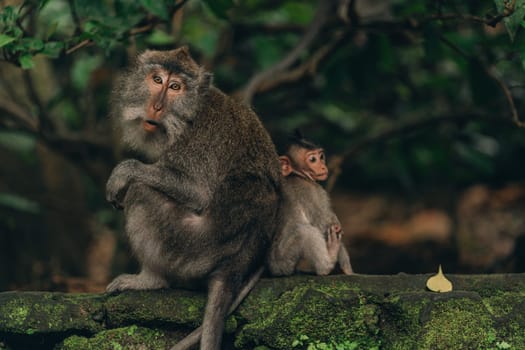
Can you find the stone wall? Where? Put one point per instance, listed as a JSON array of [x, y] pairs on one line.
[[334, 312]]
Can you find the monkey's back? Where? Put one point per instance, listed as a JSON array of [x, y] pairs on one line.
[[310, 198]]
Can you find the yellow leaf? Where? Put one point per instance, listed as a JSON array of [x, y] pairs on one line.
[[439, 283]]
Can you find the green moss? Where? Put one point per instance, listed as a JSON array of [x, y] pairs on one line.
[[315, 313], [510, 318], [180, 307], [24, 317], [17, 313], [400, 320], [231, 324], [457, 324], [363, 312], [38, 312], [132, 337], [501, 303]]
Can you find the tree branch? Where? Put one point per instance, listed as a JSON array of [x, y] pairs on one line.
[[306, 41], [19, 115], [508, 96], [153, 21], [308, 68], [494, 76], [74, 15], [44, 122]]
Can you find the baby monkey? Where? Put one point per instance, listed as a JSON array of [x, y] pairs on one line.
[[310, 236]]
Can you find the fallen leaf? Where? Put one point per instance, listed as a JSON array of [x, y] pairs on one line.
[[439, 283]]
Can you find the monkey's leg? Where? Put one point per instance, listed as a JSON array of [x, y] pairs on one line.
[[344, 261], [320, 253], [286, 251], [193, 338]]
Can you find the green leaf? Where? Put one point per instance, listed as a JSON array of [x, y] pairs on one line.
[[19, 203], [33, 44], [42, 4], [17, 142], [204, 36], [156, 7], [220, 7], [8, 15], [26, 61], [91, 8], [159, 37], [82, 70], [5, 39], [91, 27], [298, 12], [53, 49], [51, 30], [514, 21]]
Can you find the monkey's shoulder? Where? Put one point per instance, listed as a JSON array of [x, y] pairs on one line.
[[302, 190]]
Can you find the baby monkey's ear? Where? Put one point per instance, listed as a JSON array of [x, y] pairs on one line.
[[286, 165]]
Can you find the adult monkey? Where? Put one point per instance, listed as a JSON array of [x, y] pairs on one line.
[[310, 236], [204, 208]]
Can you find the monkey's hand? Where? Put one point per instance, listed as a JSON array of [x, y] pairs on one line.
[[119, 181], [333, 241]]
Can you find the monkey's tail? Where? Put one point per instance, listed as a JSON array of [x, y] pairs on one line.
[[194, 337]]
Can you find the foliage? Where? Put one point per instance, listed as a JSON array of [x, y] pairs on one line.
[[418, 59]]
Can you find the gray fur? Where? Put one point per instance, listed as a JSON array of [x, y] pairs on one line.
[[307, 233], [204, 212]]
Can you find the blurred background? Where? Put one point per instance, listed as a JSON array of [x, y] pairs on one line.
[[417, 103]]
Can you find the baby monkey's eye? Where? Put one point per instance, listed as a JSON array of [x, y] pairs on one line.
[[312, 159]]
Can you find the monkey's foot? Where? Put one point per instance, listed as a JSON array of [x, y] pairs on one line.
[[136, 282], [347, 270]]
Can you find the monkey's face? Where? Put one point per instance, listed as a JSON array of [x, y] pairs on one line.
[[164, 88], [314, 164], [309, 163], [157, 100]]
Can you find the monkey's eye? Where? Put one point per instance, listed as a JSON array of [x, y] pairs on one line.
[[322, 157], [175, 86], [312, 159], [157, 79]]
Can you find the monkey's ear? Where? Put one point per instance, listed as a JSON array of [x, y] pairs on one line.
[[183, 53], [145, 56], [286, 165], [206, 79]]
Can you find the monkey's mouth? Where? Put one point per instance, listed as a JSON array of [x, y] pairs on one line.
[[320, 177], [150, 125]]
